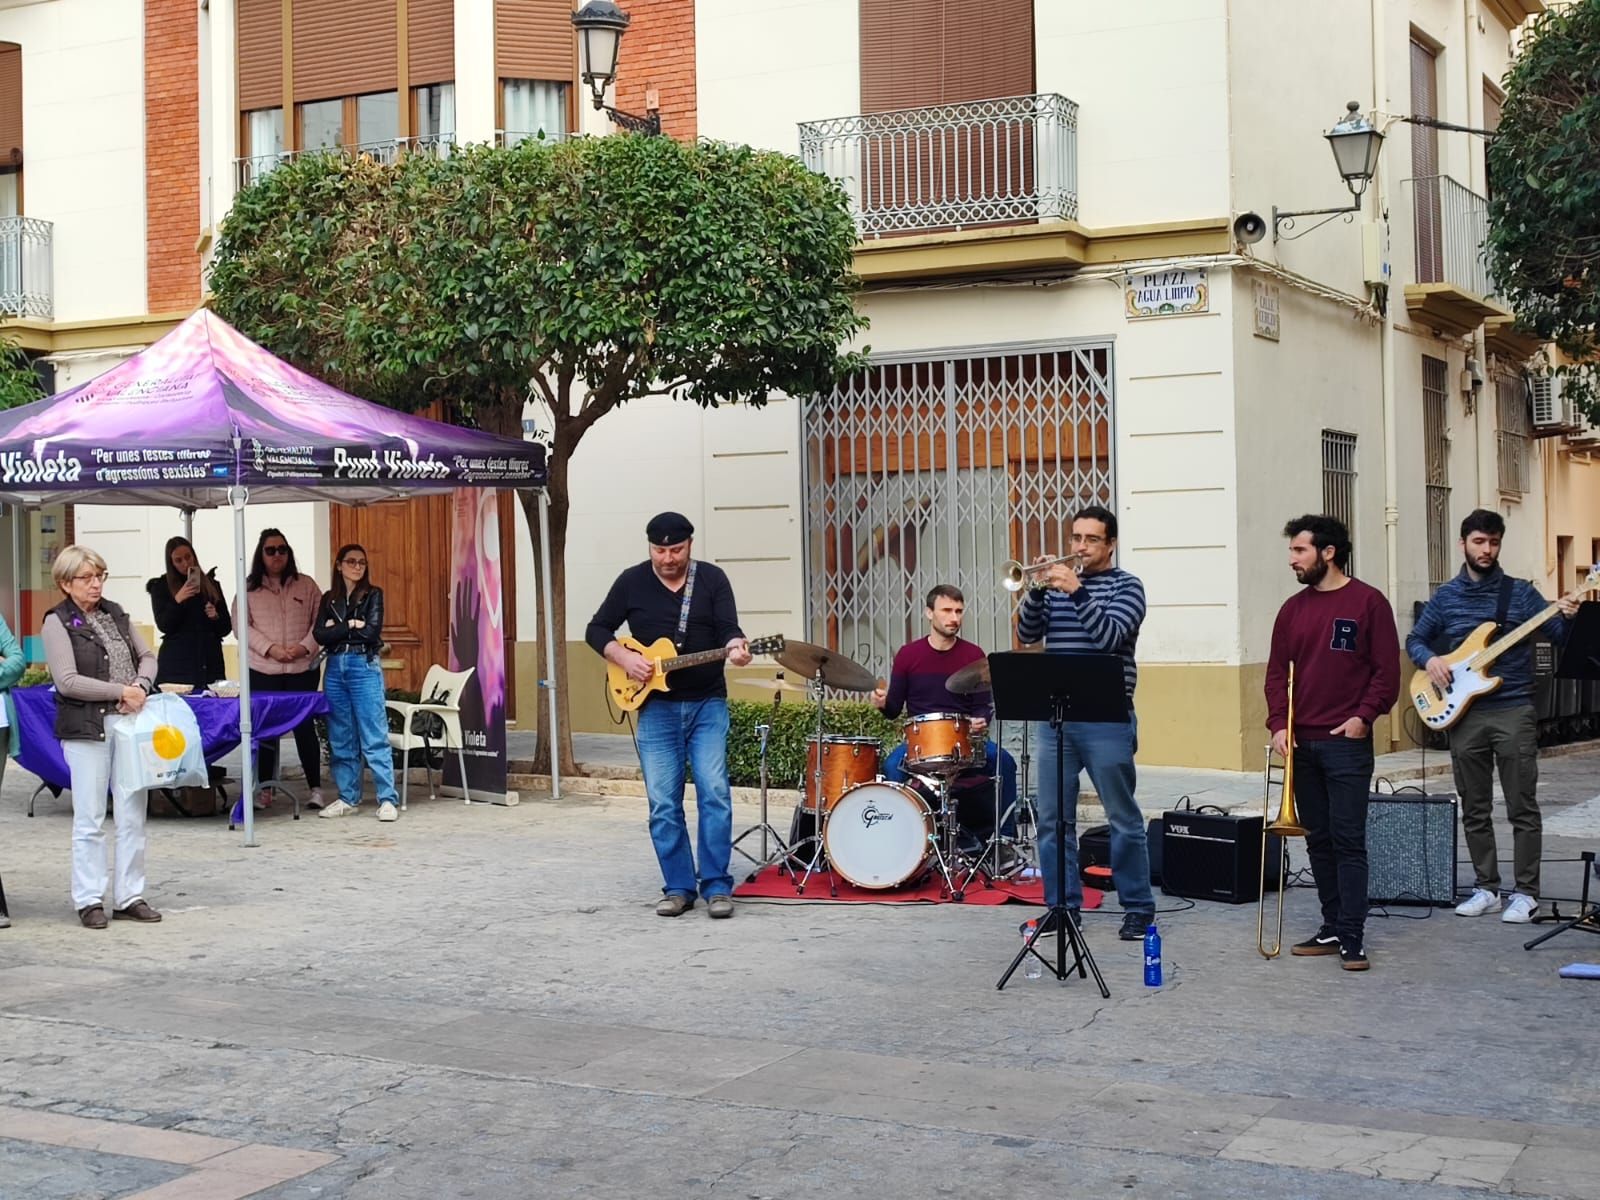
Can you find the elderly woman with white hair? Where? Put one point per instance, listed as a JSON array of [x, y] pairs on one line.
[[103, 672]]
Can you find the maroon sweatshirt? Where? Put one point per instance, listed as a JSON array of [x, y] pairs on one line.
[[1346, 657]]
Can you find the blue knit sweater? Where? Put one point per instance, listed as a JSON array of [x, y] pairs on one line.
[[1464, 603], [1101, 617]]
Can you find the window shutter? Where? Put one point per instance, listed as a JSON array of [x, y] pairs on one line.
[[1426, 198], [10, 99], [534, 39], [260, 40], [344, 49], [430, 41], [988, 50], [902, 54]]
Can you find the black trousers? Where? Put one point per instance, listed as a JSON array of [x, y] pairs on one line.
[[305, 734], [1332, 780]]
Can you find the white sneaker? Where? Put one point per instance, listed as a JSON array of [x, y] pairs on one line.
[[1519, 909], [1481, 901], [388, 812], [315, 800], [337, 809]]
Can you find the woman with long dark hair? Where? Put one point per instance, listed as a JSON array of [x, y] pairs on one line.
[[349, 627], [283, 654], [192, 616]]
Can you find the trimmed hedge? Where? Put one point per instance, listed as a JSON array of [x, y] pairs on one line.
[[791, 725]]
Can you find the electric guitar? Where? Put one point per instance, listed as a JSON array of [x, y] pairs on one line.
[[628, 693], [1469, 664]]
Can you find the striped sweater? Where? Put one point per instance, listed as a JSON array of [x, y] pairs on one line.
[[1101, 617]]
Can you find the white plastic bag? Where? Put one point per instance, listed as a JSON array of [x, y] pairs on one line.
[[159, 747]]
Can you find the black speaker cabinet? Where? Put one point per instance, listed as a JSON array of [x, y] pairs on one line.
[[1411, 848], [1215, 856]]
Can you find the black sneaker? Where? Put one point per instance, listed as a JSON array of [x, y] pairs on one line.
[[1324, 941], [1353, 958], [1134, 925]]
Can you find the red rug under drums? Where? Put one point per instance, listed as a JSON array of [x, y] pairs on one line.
[[772, 883]]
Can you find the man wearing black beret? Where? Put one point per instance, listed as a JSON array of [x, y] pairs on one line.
[[691, 602]]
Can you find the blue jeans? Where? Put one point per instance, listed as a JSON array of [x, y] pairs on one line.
[[357, 727], [671, 734], [1106, 752], [974, 804], [1332, 779]]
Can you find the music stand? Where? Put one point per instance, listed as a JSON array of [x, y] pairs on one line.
[[1053, 689], [1580, 659]]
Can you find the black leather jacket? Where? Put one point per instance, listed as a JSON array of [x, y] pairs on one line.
[[332, 626]]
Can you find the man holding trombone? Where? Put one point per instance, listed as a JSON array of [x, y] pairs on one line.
[[1084, 605], [1339, 635]]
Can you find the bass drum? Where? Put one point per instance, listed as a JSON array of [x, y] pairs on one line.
[[879, 835]]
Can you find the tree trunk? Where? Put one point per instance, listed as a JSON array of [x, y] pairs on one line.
[[556, 674]]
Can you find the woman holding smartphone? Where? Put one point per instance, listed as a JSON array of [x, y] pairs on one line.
[[349, 626], [192, 617]]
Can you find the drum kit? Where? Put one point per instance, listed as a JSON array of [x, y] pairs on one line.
[[876, 833]]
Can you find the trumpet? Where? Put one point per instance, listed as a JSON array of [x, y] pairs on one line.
[[1014, 576], [1285, 825]]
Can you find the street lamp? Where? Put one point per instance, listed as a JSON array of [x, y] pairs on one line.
[[600, 25], [1355, 145]]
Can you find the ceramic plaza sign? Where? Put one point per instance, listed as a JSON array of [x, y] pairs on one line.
[[1171, 293]]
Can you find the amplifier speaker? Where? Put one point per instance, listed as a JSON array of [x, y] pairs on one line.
[[1411, 848], [1215, 856]]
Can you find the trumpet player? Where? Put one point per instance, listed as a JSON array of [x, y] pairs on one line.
[[1340, 635], [1094, 609]]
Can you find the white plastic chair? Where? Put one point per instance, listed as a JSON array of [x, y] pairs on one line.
[[434, 723]]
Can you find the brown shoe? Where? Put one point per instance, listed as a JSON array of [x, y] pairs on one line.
[[137, 911], [93, 917], [720, 907], [674, 904]]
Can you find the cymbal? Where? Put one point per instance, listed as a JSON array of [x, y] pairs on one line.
[[974, 677], [762, 685], [806, 659]]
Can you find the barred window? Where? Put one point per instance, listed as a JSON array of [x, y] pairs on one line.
[[1339, 481], [1514, 435]]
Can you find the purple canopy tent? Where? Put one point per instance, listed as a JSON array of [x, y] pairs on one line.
[[206, 418]]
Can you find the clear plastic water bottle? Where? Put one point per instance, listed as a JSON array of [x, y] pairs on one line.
[[1032, 968], [1152, 956]]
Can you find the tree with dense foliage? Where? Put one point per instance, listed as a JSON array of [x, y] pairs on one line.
[[585, 273], [1544, 215], [19, 382]]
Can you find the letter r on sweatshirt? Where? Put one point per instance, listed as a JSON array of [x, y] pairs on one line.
[[1344, 634]]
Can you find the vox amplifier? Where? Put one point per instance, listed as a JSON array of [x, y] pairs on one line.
[[1215, 856], [1411, 848]]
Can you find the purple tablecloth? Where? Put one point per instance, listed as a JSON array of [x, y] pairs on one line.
[[273, 714]]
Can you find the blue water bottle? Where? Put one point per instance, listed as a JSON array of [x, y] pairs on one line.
[[1152, 956]]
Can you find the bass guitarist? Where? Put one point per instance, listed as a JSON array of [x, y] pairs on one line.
[[1499, 729], [674, 596]]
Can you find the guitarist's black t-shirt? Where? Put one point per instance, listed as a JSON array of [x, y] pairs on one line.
[[650, 609]]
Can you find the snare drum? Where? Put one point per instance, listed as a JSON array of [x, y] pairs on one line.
[[940, 744], [846, 761], [879, 835]]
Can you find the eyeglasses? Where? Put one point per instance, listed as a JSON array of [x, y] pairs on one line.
[[1088, 539], [91, 577], [353, 562], [274, 550]]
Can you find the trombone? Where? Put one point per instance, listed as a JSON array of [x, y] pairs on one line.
[[1285, 825], [1014, 576]]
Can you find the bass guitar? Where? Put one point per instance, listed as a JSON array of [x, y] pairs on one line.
[[628, 693], [1469, 665]]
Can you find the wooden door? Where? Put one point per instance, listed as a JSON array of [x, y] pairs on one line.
[[408, 547]]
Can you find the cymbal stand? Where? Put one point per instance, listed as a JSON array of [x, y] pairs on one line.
[[950, 852], [818, 814], [781, 855], [990, 854]]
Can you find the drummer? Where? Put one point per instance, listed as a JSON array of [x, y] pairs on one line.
[[917, 685]]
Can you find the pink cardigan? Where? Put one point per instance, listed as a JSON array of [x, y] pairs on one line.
[[282, 616]]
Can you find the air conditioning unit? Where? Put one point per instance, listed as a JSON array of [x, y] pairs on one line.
[[1586, 433], [1549, 405]]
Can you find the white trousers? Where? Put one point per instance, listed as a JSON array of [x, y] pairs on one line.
[[90, 765]]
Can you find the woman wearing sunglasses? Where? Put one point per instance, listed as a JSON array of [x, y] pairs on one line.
[[283, 654], [349, 626]]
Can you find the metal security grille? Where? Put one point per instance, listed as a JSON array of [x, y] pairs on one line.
[[1339, 480], [1513, 434], [922, 471], [1436, 449]]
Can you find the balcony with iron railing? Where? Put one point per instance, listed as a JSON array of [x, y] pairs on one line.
[[27, 270], [1452, 291], [437, 145], [952, 166]]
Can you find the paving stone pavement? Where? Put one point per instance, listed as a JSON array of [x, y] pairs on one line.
[[479, 1002]]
